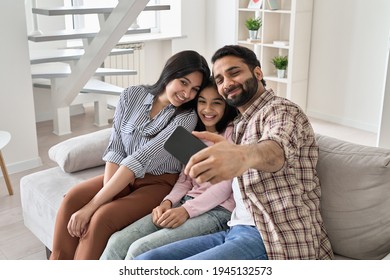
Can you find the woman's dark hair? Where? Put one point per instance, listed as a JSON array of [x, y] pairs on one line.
[[247, 55], [228, 115], [180, 65]]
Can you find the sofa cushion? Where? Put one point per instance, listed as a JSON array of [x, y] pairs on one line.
[[81, 152], [355, 201]]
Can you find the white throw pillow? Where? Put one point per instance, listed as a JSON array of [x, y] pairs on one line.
[[81, 152]]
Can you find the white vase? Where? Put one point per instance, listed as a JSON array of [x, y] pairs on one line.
[[281, 73]]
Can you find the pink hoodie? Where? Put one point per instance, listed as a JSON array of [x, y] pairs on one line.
[[206, 196]]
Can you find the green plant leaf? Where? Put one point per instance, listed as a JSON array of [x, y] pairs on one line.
[[253, 23], [280, 62]]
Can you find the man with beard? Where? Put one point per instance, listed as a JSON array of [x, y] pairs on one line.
[[273, 161]]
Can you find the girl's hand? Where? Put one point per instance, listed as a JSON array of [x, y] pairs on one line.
[[159, 210], [173, 218], [78, 222]]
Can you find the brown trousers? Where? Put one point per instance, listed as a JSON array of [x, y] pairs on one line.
[[133, 203]]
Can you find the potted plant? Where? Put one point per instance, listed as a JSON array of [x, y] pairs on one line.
[[253, 25], [280, 62]]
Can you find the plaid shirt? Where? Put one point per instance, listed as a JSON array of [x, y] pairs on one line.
[[285, 204]]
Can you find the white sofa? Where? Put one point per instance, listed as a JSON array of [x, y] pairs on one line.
[[355, 184]]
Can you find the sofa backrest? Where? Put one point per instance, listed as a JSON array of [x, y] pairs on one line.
[[355, 201]]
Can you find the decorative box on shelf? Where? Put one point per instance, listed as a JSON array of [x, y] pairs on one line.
[[253, 41]]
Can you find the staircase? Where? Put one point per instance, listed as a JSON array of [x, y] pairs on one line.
[[73, 75]]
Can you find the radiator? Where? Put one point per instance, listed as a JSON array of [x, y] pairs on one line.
[[132, 61]]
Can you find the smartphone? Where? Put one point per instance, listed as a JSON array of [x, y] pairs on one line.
[[182, 144]]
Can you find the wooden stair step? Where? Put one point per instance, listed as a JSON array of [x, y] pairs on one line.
[[59, 55], [82, 10], [61, 70], [92, 86], [76, 34]]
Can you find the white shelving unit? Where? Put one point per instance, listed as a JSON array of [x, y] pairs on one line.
[[284, 31]]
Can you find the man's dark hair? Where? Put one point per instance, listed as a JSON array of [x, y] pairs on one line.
[[247, 55]]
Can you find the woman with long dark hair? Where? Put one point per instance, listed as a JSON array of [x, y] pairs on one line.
[[139, 173]]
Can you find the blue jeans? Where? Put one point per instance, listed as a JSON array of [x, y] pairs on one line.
[[240, 242], [142, 235]]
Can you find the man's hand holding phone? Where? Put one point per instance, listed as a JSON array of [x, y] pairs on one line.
[[219, 162]]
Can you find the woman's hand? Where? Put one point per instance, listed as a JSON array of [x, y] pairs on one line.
[[78, 223]]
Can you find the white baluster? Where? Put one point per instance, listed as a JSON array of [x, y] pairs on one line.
[[36, 30]]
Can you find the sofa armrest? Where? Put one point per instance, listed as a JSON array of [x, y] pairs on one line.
[[81, 152]]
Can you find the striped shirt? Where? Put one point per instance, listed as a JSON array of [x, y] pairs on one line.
[[137, 140], [285, 204]]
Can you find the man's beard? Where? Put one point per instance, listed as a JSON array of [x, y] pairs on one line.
[[248, 90]]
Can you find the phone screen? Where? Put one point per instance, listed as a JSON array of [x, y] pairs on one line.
[[182, 144]]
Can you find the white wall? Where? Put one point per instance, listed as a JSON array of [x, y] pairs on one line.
[[348, 61], [384, 131], [191, 34], [16, 97], [156, 54], [206, 26], [220, 25], [193, 27]]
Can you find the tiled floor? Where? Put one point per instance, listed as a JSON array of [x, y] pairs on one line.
[[17, 242]]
